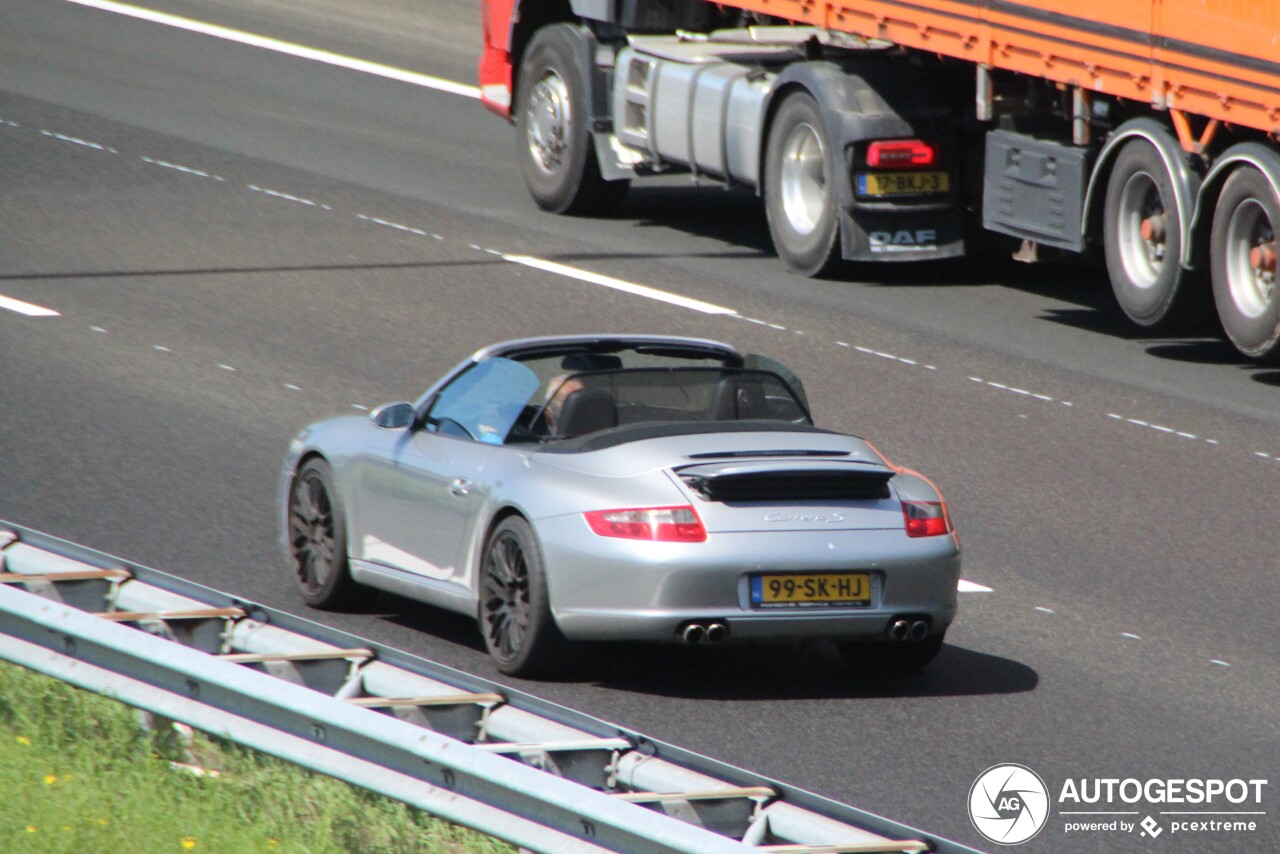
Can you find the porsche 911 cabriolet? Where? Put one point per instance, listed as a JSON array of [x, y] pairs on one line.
[[623, 487]]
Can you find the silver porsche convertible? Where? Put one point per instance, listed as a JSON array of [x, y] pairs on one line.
[[623, 487]]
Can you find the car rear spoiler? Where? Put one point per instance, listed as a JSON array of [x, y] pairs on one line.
[[787, 480]]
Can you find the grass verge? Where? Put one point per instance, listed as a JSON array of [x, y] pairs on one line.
[[79, 773]]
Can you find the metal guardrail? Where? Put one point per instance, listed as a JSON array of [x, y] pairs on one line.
[[506, 763]]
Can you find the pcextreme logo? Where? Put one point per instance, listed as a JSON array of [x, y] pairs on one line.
[[1009, 804]]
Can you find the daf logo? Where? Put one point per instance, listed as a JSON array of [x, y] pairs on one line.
[[920, 237], [804, 517]]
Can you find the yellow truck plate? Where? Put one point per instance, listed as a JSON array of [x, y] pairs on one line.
[[902, 183], [810, 588]]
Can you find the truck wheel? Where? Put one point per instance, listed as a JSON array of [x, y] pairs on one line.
[[1242, 261], [1142, 231], [800, 175], [556, 151]]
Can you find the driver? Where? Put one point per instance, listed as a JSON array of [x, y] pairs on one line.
[[561, 386]]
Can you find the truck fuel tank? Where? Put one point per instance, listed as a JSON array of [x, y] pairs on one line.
[[697, 104]]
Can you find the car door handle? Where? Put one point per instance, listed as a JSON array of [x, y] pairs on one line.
[[460, 486]]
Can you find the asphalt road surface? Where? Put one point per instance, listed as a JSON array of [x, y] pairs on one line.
[[237, 241]]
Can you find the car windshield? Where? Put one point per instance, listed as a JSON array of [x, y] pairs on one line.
[[484, 401], [589, 401]]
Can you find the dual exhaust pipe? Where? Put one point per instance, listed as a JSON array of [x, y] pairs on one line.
[[696, 633], [903, 629]]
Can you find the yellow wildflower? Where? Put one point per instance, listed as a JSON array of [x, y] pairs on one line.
[[50, 779], [31, 828], [188, 842], [23, 740]]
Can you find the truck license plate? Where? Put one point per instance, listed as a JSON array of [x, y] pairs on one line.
[[902, 183], [810, 589]]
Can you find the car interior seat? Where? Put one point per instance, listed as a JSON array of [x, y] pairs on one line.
[[587, 410], [737, 399]]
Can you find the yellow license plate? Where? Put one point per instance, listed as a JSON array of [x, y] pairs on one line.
[[902, 183], [811, 588]]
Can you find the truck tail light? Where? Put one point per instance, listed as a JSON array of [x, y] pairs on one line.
[[901, 154], [926, 518], [662, 524]]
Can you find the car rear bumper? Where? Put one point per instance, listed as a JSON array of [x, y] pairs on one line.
[[741, 627], [607, 589]]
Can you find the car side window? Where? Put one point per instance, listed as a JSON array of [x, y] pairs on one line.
[[484, 401]]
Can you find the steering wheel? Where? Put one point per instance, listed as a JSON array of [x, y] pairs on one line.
[[454, 426]]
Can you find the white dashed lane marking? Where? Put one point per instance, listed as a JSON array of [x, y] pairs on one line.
[[187, 170], [288, 197], [397, 226], [1019, 391], [1159, 428], [880, 354], [75, 140], [240, 37], [966, 586]]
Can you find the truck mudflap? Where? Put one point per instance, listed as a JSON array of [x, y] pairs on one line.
[[877, 98], [901, 235]]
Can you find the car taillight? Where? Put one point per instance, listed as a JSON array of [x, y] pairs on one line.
[[663, 524], [926, 518], [901, 154]]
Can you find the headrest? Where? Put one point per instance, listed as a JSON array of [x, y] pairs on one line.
[[590, 362]]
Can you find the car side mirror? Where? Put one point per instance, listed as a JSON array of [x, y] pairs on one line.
[[393, 416]]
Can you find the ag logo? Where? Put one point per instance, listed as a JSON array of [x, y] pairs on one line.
[[1008, 804]]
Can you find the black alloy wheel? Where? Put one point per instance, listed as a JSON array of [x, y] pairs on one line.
[[515, 614], [318, 539]]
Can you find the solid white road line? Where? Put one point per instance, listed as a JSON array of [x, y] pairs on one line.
[[972, 587], [300, 51], [618, 284], [26, 308], [416, 79]]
